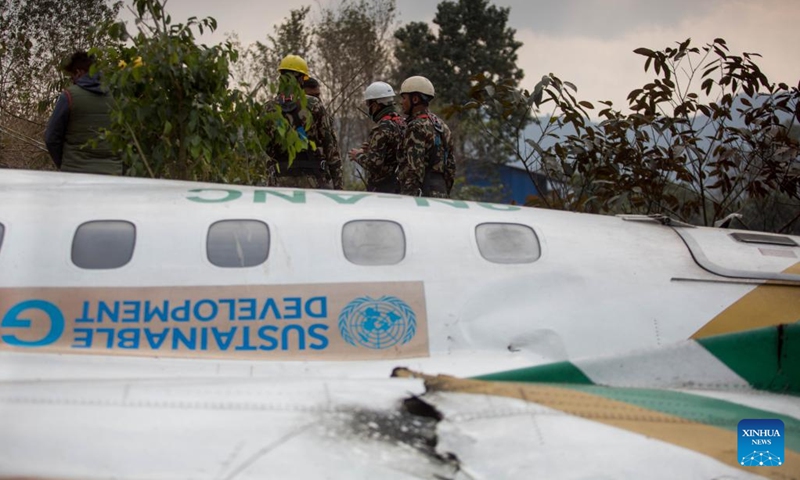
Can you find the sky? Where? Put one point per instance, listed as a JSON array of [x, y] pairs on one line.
[[587, 42]]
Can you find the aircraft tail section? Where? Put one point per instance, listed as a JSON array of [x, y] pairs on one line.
[[701, 396], [762, 359]]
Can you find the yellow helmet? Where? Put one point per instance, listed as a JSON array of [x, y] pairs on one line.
[[417, 85], [294, 63]]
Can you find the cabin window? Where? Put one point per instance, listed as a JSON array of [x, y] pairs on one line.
[[507, 243], [103, 244], [373, 242], [764, 239], [237, 243]]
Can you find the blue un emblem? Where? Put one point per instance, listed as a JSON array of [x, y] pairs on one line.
[[377, 323]]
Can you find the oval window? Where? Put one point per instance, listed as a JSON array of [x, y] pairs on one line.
[[373, 242], [507, 243], [237, 243], [103, 244]]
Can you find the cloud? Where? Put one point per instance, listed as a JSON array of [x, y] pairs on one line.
[[602, 19], [588, 42], [607, 68], [251, 20]]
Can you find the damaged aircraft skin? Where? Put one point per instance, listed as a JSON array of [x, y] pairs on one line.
[[163, 329]]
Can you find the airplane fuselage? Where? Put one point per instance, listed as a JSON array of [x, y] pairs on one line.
[[94, 265]]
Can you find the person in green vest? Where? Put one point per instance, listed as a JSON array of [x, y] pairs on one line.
[[81, 112]]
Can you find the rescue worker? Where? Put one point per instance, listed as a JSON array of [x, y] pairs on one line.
[[426, 165], [311, 87], [81, 112], [379, 153], [317, 164]]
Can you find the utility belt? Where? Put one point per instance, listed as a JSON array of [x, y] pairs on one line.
[[305, 163]]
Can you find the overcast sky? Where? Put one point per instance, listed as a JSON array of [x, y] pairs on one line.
[[586, 42]]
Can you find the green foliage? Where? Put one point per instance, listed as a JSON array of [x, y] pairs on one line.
[[281, 127], [36, 36], [695, 155], [494, 193], [473, 39], [175, 116]]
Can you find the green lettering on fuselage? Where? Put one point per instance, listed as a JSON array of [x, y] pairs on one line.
[[425, 202], [211, 195], [231, 195], [340, 198], [298, 196]]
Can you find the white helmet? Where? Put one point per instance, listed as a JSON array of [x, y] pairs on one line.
[[379, 90], [418, 85]]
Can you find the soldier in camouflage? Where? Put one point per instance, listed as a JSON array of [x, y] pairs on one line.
[[426, 166], [318, 165], [379, 153], [311, 87]]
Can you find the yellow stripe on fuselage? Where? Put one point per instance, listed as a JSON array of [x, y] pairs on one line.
[[718, 443], [765, 306]]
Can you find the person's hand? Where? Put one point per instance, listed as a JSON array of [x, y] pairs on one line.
[[353, 153]]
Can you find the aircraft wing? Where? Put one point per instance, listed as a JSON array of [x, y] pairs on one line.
[[669, 412]]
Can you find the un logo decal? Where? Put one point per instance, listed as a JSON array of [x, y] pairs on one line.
[[377, 323]]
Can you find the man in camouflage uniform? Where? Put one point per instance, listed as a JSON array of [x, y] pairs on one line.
[[426, 166], [311, 87], [378, 156], [318, 164]]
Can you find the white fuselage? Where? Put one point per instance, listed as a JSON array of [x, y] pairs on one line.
[[601, 284]]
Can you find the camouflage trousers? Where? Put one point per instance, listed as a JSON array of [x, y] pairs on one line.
[[304, 181]]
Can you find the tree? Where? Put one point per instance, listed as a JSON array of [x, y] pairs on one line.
[[293, 36], [175, 116], [346, 47], [36, 36], [473, 40], [350, 52], [694, 155]]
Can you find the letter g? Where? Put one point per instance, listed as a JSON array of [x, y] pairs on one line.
[[12, 320]]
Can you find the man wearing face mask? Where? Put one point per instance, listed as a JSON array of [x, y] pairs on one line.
[[379, 154]]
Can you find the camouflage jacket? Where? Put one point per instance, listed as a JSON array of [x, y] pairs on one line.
[[319, 131], [379, 153], [427, 166]]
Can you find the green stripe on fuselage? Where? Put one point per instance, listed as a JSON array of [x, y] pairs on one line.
[[695, 408], [768, 358], [561, 372]]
